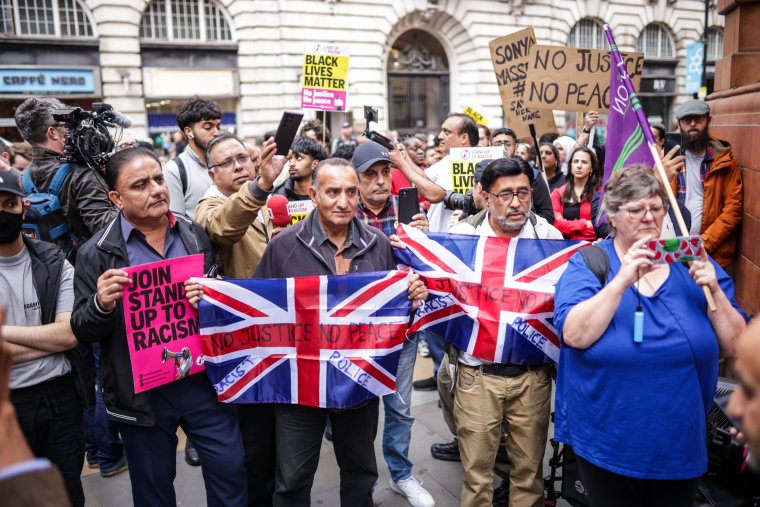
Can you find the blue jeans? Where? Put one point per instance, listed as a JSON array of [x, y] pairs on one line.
[[101, 436], [398, 415], [435, 345]]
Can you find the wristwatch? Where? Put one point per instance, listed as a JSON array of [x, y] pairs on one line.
[[586, 131]]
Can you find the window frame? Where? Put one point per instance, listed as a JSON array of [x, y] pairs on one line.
[[713, 33], [663, 33], [597, 36], [55, 6], [202, 25]]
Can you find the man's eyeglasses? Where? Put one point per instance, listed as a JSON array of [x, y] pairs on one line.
[[124, 146], [639, 212], [229, 164], [507, 197], [508, 144]]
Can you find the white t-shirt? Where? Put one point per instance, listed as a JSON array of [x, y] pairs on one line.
[[543, 230], [440, 174], [694, 191]]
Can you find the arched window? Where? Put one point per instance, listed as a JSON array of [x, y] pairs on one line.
[[185, 20], [656, 42], [587, 33], [40, 18], [714, 43]]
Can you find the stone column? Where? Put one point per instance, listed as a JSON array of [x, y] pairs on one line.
[[118, 27], [735, 109]]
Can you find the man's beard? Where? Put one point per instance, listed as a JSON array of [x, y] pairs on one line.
[[696, 141]]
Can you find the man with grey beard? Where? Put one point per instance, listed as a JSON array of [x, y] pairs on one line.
[[707, 180]]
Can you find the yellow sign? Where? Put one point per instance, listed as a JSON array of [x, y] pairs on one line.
[[324, 80], [298, 210], [476, 115], [465, 160]]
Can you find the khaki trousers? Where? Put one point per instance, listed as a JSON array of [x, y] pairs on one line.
[[480, 404]]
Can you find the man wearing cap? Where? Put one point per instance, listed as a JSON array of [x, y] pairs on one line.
[[707, 180], [378, 208], [38, 287]]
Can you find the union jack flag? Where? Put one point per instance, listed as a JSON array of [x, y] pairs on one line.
[[492, 297], [322, 341]]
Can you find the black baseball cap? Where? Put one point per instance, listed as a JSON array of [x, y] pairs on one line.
[[367, 154], [480, 169], [10, 181]]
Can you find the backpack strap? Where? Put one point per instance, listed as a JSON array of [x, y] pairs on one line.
[[597, 262], [60, 176], [182, 173], [29, 186]]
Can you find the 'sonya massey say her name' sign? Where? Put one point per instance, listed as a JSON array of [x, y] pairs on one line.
[[509, 56], [574, 79]]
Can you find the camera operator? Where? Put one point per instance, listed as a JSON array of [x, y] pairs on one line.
[[84, 196]]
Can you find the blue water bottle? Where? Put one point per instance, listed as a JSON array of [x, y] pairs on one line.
[[638, 326]]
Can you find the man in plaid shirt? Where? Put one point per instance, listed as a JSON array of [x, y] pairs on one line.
[[378, 208]]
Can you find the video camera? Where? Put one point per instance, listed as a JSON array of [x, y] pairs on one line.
[[88, 140], [370, 115], [465, 202]]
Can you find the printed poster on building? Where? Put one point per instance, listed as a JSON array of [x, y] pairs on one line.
[[324, 80], [464, 161], [162, 328]]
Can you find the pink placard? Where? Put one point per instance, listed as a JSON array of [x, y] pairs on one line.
[[162, 328], [323, 100]]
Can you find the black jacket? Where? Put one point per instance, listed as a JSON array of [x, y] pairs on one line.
[[290, 253], [84, 194], [47, 265], [104, 251]]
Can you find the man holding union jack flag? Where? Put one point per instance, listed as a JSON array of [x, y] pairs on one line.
[[330, 241], [502, 373]]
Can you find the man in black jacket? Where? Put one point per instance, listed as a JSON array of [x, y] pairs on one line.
[[37, 286], [330, 241], [84, 197], [146, 231]]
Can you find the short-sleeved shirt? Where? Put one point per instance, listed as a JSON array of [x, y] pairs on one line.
[[639, 409], [23, 308]]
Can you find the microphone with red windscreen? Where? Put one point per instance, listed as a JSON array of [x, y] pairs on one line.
[[278, 210]]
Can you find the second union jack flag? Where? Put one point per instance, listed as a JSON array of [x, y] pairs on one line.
[[323, 341], [491, 297]]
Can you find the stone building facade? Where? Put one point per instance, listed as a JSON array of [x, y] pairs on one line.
[[415, 60]]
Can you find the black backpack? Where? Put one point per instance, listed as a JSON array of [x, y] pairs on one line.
[[45, 219]]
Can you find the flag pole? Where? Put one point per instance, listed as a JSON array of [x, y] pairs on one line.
[[644, 124]]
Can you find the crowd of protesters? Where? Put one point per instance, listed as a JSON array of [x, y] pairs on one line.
[[206, 191]]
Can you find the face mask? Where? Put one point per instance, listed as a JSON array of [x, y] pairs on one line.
[[10, 226]]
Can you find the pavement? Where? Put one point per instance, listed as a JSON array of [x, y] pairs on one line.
[[441, 478]]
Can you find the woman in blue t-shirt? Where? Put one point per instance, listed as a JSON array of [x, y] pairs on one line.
[[635, 411]]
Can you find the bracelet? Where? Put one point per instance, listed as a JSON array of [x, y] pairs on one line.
[[586, 131]]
